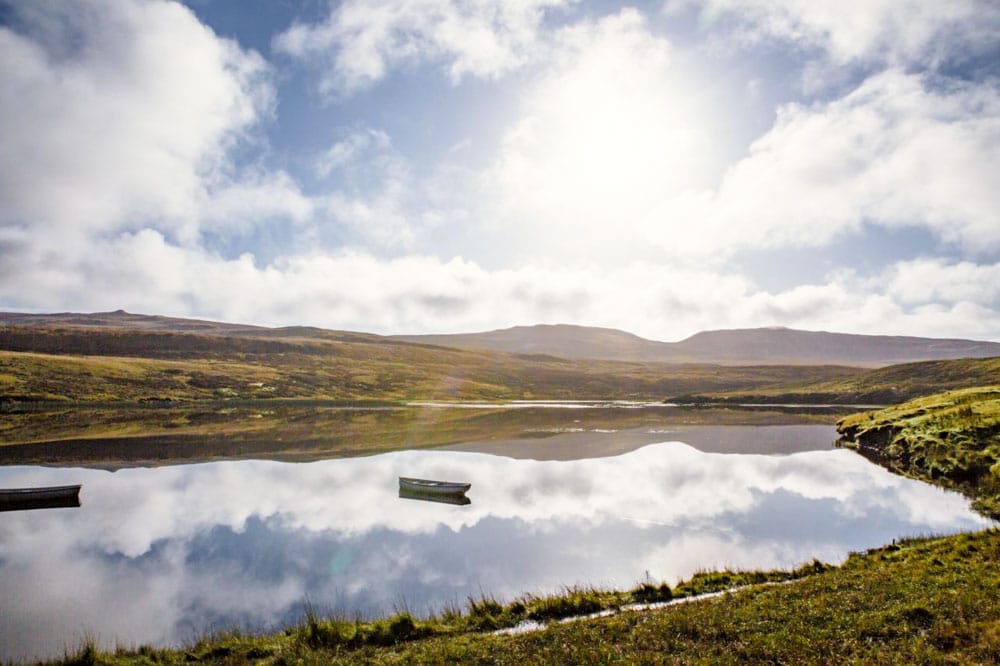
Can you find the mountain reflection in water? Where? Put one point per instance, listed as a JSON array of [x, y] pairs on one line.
[[162, 555]]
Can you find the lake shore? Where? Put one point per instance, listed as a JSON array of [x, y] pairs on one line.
[[289, 431], [926, 599], [911, 601]]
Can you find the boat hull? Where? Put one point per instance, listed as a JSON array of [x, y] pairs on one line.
[[53, 497], [458, 499], [430, 487]]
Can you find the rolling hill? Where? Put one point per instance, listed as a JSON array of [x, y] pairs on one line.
[[752, 346], [119, 356], [727, 347], [114, 375]]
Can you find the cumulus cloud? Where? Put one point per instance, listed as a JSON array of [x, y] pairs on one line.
[[347, 151], [898, 151], [363, 40], [375, 200], [353, 290], [256, 198], [891, 32], [119, 114], [614, 158], [930, 280], [605, 202]]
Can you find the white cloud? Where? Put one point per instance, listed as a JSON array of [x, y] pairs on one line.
[[887, 31], [895, 152], [363, 40], [350, 149], [379, 221], [614, 158], [606, 189], [374, 200], [928, 280], [256, 198], [356, 291], [120, 113]]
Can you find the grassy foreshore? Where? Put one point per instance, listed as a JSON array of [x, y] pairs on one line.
[[883, 386], [917, 601], [950, 438], [929, 600]]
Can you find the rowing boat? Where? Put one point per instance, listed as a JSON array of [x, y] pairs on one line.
[[52, 497], [457, 499], [429, 487]]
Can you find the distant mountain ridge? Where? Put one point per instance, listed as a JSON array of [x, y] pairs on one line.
[[755, 346], [120, 319], [731, 346]]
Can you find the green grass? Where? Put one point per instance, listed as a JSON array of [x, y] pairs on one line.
[[883, 386], [917, 601], [950, 438], [319, 635], [117, 365], [112, 384]]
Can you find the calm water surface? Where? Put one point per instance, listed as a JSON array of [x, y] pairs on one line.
[[162, 555]]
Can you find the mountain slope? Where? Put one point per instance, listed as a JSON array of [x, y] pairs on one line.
[[879, 386], [737, 347], [755, 346], [118, 356], [127, 321], [564, 340], [790, 345]]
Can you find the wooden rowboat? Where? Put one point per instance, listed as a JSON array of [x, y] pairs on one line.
[[457, 499], [429, 487], [53, 497]]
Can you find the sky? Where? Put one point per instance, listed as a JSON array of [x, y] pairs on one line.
[[436, 166]]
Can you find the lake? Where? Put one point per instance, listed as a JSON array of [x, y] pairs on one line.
[[161, 555]]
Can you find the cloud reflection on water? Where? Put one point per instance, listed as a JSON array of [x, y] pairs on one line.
[[161, 555]]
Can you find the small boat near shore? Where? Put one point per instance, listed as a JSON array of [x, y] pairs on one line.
[[427, 490], [458, 499], [52, 497], [429, 487]]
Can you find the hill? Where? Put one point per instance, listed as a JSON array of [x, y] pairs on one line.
[[118, 356], [203, 386], [123, 357], [564, 340], [730, 347], [753, 346], [127, 321], [879, 386]]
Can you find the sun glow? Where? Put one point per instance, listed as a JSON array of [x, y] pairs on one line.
[[609, 138]]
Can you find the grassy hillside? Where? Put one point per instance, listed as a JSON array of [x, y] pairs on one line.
[[790, 345], [117, 364], [759, 346], [738, 346], [883, 386], [100, 393], [950, 438], [563, 340]]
